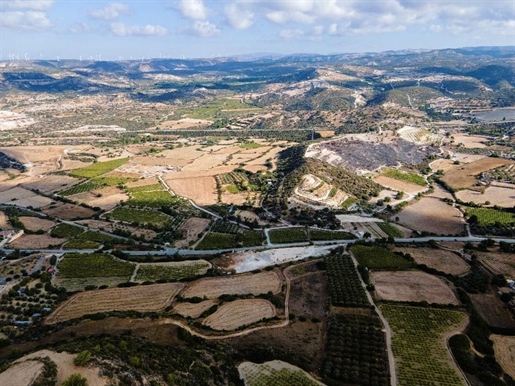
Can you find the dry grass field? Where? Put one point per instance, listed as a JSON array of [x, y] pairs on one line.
[[36, 242], [498, 262], [440, 259], [191, 230], [412, 286], [240, 313], [51, 183], [109, 197], [500, 196], [149, 298], [464, 176], [69, 211], [504, 347], [36, 223], [202, 190], [255, 284], [22, 373], [192, 310], [432, 215], [470, 141], [15, 194], [440, 192], [399, 185], [493, 310], [4, 222]]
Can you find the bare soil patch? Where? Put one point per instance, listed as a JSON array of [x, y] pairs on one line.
[[66, 367], [15, 194], [193, 310], [504, 347], [36, 242], [498, 262], [440, 192], [493, 310], [308, 295], [432, 215], [240, 313], [22, 373], [36, 223], [191, 230], [4, 222], [142, 182], [116, 299], [51, 183], [202, 190], [470, 141], [255, 284], [106, 198], [499, 196], [399, 185], [442, 164], [412, 286], [464, 176], [69, 211], [440, 259]]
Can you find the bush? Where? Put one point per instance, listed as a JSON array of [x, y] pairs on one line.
[[82, 358], [75, 380]]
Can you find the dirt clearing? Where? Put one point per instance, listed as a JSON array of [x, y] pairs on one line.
[[432, 215], [255, 284], [69, 211], [149, 298], [412, 286], [22, 373], [240, 313], [504, 347], [464, 176], [442, 260], [202, 190]]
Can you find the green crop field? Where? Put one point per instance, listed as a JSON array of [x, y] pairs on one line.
[[412, 178], [389, 229], [345, 288], [145, 188], [141, 217], [419, 347], [250, 145], [487, 216], [98, 168], [172, 271], [214, 240], [319, 234], [96, 237], [379, 258], [93, 265], [81, 244], [266, 375], [287, 235], [66, 231], [155, 199]]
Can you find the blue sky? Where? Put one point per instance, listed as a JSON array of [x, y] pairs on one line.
[[110, 30]]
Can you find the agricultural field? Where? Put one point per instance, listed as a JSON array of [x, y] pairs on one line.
[[412, 286], [35, 223], [345, 288], [191, 231], [322, 235], [240, 313], [486, 216], [81, 244], [439, 259], [287, 235], [171, 271], [465, 176], [502, 174], [95, 184], [493, 311], [98, 168], [193, 310], [93, 265], [68, 211], [390, 230], [378, 258], [243, 238], [495, 195], [152, 199], [498, 262], [116, 299], [139, 217], [504, 347], [36, 242], [66, 231], [418, 135], [419, 347], [255, 284], [24, 198], [399, 185], [356, 352], [275, 373], [409, 177], [431, 215]]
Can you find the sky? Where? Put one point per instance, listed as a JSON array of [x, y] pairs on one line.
[[136, 29]]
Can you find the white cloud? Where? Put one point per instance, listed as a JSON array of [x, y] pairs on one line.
[[193, 9], [203, 29], [121, 29], [110, 12], [238, 17], [31, 20], [79, 28], [291, 33], [35, 5]]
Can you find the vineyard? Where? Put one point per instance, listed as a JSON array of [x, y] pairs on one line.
[[321, 235], [238, 180], [145, 188], [93, 265], [65, 231], [487, 216], [95, 183], [98, 168], [275, 373], [152, 199], [356, 352], [411, 178], [419, 346], [345, 288], [219, 240], [416, 134], [287, 235], [140, 217], [379, 258], [390, 230], [172, 271], [81, 244]]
